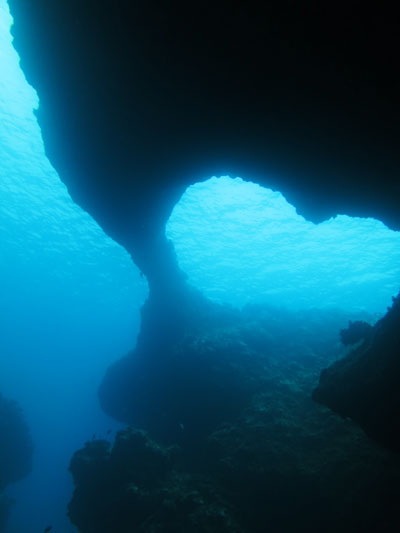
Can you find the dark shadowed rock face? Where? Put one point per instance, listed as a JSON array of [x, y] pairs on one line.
[[268, 460], [15, 450], [137, 485], [364, 386], [356, 331], [180, 388], [15, 444]]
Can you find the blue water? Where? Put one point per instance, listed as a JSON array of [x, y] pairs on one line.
[[69, 303], [241, 243]]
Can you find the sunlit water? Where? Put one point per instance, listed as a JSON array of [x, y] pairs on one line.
[[241, 243], [69, 301]]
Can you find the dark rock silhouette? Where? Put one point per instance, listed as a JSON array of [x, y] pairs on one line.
[[15, 451], [364, 385], [271, 459], [137, 485], [355, 332]]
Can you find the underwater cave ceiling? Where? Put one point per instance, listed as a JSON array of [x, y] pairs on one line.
[[138, 100]]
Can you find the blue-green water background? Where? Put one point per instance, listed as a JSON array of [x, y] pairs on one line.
[[241, 243], [70, 296]]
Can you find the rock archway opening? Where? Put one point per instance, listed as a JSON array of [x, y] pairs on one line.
[[240, 243]]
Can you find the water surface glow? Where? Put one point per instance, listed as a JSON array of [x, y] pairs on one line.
[[240, 243]]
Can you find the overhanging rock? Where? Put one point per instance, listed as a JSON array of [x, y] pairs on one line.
[[365, 385]]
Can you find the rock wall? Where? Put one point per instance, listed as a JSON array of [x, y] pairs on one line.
[[364, 386]]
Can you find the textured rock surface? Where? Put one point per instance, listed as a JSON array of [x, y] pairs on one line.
[[137, 485], [364, 386], [206, 367], [275, 461]]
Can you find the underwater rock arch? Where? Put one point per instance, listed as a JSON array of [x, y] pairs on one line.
[[131, 116], [140, 100]]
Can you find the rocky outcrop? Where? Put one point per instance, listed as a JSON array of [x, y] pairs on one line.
[[364, 386], [137, 485], [204, 369], [235, 443], [15, 451], [356, 331]]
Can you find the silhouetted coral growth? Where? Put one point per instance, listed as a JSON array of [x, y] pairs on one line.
[[15, 450], [355, 332], [136, 485], [364, 385]]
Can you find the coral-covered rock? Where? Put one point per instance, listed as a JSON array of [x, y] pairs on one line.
[[135, 485], [365, 385], [181, 387], [272, 461], [181, 391]]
